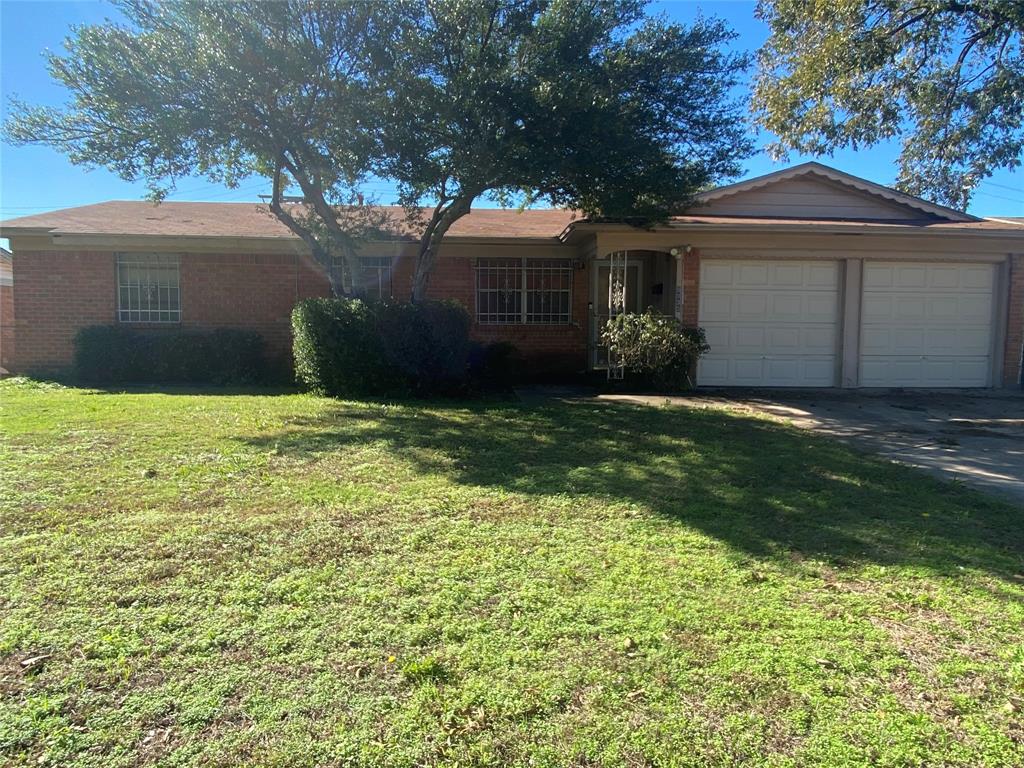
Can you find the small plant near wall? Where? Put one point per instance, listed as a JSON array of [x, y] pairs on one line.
[[655, 348]]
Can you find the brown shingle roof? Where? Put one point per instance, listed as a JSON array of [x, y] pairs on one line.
[[253, 220], [917, 225]]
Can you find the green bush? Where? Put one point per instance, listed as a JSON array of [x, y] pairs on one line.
[[116, 354], [497, 364], [656, 348], [348, 347], [337, 348]]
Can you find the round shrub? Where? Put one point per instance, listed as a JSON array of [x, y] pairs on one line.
[[349, 347], [656, 348]]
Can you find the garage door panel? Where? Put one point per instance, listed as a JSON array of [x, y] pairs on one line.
[[751, 306], [979, 278], [819, 340], [976, 308], [929, 277], [912, 308], [889, 372], [718, 336], [716, 275], [926, 325], [777, 371], [752, 275], [910, 276], [769, 323], [716, 306], [821, 307]]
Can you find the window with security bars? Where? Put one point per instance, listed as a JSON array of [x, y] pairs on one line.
[[148, 288], [524, 290]]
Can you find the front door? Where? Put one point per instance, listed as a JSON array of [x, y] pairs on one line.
[[628, 279]]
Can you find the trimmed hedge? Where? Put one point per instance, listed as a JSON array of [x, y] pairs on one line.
[[116, 354], [349, 347]]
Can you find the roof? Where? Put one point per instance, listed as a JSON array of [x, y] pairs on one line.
[[909, 225], [845, 179], [252, 220]]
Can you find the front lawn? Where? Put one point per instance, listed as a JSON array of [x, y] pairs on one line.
[[285, 580]]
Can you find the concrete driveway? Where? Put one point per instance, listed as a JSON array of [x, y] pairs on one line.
[[976, 438]]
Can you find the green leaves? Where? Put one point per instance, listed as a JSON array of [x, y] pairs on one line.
[[655, 347], [946, 78], [598, 108]]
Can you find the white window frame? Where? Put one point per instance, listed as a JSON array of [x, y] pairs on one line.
[[522, 267], [379, 267], [162, 300]]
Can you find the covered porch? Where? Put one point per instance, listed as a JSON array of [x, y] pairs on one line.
[[632, 280]]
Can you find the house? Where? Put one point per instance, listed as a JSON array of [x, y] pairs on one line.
[[804, 277], [6, 310]]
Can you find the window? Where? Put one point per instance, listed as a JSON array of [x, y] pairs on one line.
[[373, 279], [148, 288], [523, 291]]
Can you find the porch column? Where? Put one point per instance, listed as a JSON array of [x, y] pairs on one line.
[[849, 344], [678, 300]]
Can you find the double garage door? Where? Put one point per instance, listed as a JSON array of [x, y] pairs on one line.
[[778, 323]]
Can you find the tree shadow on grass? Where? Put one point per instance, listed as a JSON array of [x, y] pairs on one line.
[[766, 489]]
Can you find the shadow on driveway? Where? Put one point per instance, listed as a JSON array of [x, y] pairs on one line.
[[978, 439]]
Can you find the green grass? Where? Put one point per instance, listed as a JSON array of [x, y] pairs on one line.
[[287, 580]]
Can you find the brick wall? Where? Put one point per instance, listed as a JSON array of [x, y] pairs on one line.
[[6, 326], [60, 292], [56, 293], [550, 349], [256, 292], [1015, 323]]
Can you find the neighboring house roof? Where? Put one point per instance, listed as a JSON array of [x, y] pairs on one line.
[[6, 267], [896, 213]]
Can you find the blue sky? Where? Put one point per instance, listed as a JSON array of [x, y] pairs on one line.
[[37, 179]]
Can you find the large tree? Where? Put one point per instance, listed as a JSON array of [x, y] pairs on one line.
[[944, 77], [589, 104]]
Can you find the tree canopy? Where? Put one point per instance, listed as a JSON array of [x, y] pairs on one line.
[[593, 105], [944, 77]]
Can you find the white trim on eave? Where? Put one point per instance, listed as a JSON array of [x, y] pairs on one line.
[[839, 177]]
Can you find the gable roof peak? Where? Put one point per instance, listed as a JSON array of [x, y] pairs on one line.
[[813, 167]]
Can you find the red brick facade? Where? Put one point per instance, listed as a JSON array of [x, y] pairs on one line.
[[6, 326], [61, 292], [550, 348], [58, 293]]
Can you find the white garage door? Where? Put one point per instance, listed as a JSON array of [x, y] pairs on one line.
[[926, 325], [769, 323]]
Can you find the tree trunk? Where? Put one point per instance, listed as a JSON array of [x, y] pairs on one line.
[[440, 222]]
